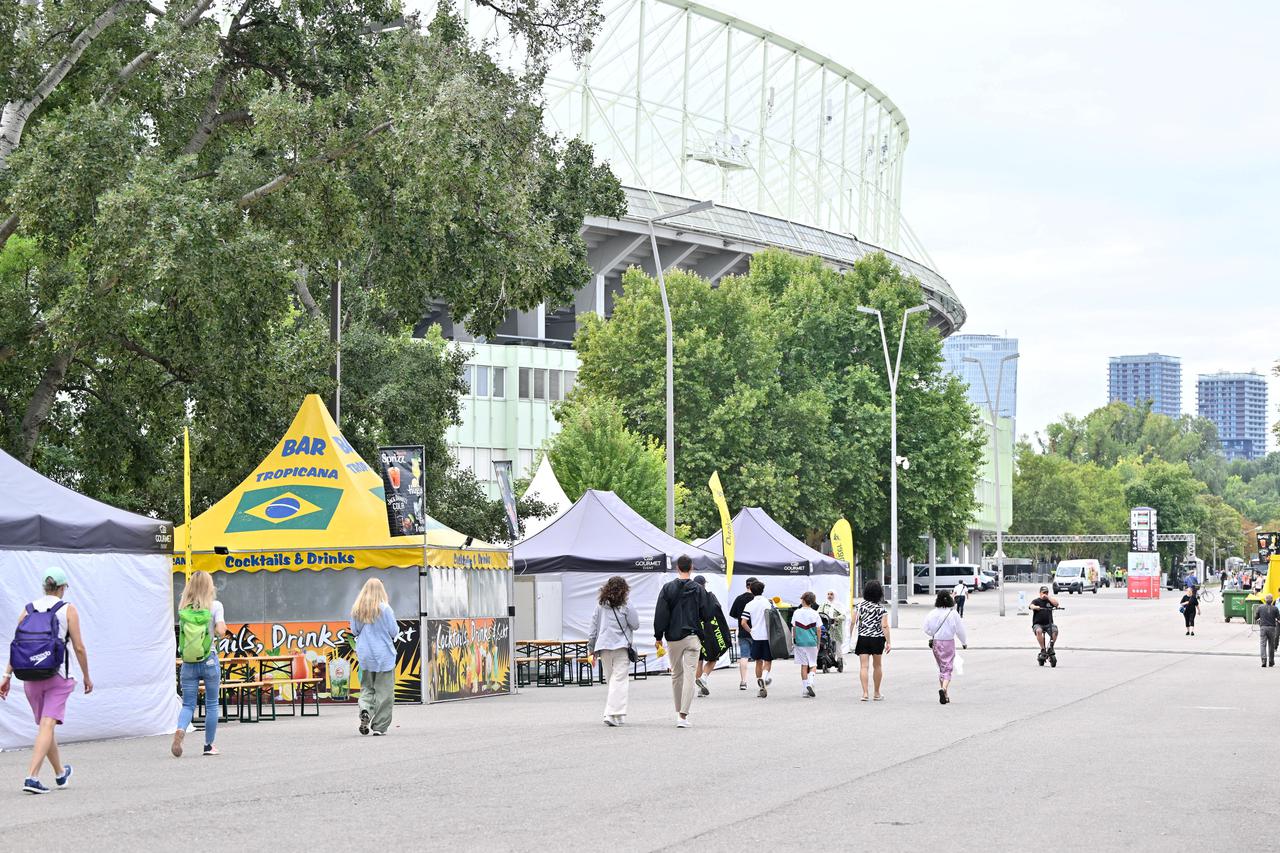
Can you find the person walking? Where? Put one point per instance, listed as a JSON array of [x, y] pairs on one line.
[[1190, 609], [677, 620], [871, 626], [1267, 618], [201, 621], [944, 626], [755, 621], [374, 624], [613, 626], [744, 637], [38, 652], [806, 626], [959, 593], [715, 639]]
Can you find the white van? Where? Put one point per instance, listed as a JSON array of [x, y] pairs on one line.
[[947, 575], [1077, 576]]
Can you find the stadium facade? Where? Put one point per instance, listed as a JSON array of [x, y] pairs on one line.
[[688, 104]]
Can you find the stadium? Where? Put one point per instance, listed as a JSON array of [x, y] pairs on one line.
[[687, 104]]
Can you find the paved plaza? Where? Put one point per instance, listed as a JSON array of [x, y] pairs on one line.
[[1142, 738]]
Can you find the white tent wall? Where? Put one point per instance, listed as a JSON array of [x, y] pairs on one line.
[[580, 592], [126, 620]]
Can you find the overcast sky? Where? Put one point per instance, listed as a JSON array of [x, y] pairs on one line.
[[1094, 178]]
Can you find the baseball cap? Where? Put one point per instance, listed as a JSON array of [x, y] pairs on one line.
[[56, 574], [1044, 589]]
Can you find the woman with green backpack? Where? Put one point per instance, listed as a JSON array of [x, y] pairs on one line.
[[200, 622]]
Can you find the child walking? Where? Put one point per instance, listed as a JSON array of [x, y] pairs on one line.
[[806, 625]]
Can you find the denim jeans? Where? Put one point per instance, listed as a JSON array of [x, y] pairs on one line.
[[191, 676]]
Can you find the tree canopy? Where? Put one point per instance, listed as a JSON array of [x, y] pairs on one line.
[[181, 193], [780, 385]]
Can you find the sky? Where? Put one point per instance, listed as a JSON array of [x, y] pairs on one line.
[[1094, 178]]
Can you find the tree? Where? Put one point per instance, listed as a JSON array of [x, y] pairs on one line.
[[595, 450], [1053, 495], [780, 386], [1221, 531], [181, 194], [1172, 490]]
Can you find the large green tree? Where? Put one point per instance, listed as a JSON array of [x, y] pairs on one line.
[[181, 193], [780, 385], [594, 449]]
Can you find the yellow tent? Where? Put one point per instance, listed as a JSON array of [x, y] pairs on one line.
[[313, 503]]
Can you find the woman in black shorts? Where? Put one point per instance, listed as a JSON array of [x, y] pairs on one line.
[[871, 624]]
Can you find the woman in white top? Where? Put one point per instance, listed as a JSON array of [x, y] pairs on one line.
[[200, 606], [944, 626]]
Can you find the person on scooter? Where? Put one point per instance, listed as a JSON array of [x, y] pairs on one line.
[[1042, 622]]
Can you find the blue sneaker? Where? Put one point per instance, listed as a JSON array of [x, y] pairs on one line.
[[62, 780], [34, 786]]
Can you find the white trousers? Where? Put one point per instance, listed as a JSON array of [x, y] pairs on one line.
[[616, 670]]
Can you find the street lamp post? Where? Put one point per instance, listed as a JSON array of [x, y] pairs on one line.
[[892, 368], [666, 319], [994, 409]]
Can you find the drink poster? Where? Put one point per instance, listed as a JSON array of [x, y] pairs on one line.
[[323, 650], [468, 658], [402, 486], [502, 469]]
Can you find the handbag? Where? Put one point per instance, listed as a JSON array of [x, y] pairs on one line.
[[631, 652]]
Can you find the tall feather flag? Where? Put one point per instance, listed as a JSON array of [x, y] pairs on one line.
[[726, 525], [842, 549]]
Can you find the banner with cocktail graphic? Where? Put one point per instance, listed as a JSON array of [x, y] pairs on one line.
[[402, 489], [468, 658], [324, 650]]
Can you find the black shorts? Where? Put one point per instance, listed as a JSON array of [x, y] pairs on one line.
[[1051, 630], [869, 646], [760, 650]]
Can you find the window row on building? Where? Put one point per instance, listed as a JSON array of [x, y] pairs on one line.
[[534, 383]]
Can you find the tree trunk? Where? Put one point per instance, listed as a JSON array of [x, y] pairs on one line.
[[41, 402], [13, 120]]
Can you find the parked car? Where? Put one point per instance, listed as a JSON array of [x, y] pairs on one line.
[[988, 579], [947, 574]]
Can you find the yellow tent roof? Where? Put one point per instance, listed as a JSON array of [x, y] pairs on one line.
[[313, 503]]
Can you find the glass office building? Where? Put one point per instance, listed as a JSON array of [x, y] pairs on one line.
[[988, 349]]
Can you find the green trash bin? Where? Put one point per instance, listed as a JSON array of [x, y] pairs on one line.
[[1233, 604]]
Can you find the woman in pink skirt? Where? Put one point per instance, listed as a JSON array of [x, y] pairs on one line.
[[943, 627]]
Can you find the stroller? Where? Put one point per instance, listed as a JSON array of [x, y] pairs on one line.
[[828, 652]]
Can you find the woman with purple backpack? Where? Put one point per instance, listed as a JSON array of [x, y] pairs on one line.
[[38, 652]]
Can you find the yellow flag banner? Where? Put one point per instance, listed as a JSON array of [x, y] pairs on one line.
[[726, 525], [186, 491], [842, 549]]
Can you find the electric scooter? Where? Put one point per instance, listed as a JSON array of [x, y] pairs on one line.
[[1048, 653]]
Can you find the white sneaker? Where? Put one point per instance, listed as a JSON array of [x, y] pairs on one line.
[[768, 678], [611, 721], [683, 723]]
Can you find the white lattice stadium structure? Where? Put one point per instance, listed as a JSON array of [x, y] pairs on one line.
[[688, 104]]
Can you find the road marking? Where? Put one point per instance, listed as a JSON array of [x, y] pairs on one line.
[[1213, 708]]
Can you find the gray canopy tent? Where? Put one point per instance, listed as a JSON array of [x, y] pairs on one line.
[[600, 536], [786, 565], [119, 579]]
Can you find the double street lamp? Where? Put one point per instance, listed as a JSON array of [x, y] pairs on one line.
[[892, 369], [993, 409], [666, 319]]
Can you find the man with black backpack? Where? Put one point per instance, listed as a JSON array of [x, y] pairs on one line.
[[682, 608], [38, 656]]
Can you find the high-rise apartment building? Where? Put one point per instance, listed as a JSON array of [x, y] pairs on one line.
[[988, 349], [1237, 404], [1154, 378]]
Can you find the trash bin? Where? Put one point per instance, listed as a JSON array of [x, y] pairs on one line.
[[1250, 606], [1234, 604]]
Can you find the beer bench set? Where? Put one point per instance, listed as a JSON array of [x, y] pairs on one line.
[[555, 663], [249, 685]]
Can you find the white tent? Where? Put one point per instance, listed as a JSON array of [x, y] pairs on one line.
[[119, 577], [545, 487]]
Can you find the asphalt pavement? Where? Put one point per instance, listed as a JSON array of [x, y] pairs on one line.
[[1141, 739]]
